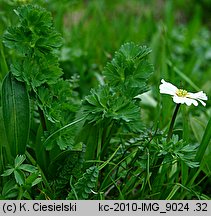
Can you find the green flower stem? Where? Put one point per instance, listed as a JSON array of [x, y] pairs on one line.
[[172, 122]]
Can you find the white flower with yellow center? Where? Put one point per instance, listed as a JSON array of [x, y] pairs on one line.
[[181, 96]]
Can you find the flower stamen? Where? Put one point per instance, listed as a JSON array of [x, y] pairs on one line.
[[181, 93]]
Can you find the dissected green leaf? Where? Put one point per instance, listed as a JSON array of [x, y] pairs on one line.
[[60, 103], [126, 77], [129, 70], [103, 103], [35, 32], [37, 71], [36, 41], [24, 174], [178, 149]]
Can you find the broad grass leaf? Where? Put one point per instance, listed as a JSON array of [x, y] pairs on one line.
[[16, 114]]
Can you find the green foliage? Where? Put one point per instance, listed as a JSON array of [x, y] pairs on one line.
[[3, 143], [108, 142], [9, 191], [127, 76], [35, 40], [64, 92], [103, 103], [24, 177], [178, 150], [60, 103], [70, 168], [85, 185], [129, 69], [19, 169], [34, 34], [112, 106]]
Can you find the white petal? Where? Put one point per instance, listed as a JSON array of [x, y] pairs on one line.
[[202, 102], [185, 100], [199, 95], [190, 101], [178, 100], [167, 88]]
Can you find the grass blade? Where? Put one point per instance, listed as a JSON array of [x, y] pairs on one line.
[[173, 191], [200, 153], [204, 143]]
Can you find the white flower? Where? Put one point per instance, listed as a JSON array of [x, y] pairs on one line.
[[182, 96]]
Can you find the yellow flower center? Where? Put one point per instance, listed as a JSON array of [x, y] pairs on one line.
[[181, 93]]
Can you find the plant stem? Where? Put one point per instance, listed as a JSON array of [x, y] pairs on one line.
[[42, 119], [172, 122]]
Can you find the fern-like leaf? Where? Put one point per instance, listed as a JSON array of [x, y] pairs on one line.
[[71, 166], [34, 33], [35, 41], [129, 69], [126, 75], [85, 184]]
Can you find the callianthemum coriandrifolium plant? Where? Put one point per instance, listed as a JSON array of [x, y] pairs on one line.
[[126, 77], [129, 70], [181, 96], [34, 41], [113, 106], [53, 101], [100, 148]]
